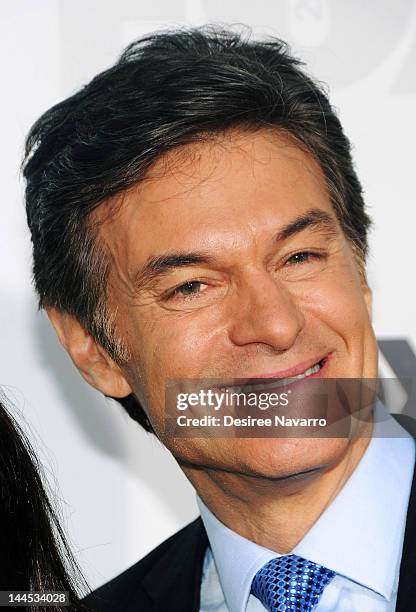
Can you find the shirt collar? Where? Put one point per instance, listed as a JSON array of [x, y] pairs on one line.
[[374, 499]]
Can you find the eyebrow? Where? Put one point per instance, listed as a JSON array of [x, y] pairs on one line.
[[315, 219], [155, 267]]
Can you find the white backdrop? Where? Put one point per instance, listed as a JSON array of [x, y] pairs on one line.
[[123, 493]]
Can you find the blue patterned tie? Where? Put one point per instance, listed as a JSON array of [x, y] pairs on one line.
[[290, 583]]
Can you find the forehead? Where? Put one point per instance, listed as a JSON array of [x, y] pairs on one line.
[[213, 194]]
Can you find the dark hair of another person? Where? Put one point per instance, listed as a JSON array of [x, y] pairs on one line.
[[167, 90], [35, 553]]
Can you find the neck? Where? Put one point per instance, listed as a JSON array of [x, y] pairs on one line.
[[275, 513]]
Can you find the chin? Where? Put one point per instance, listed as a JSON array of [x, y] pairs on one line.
[[287, 458], [265, 458]]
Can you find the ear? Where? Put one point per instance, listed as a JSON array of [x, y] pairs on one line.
[[93, 362]]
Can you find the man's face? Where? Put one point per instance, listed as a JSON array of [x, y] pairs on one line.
[[206, 284]]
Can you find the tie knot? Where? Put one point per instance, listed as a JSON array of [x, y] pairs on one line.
[[290, 583]]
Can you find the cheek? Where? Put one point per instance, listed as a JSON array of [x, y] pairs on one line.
[[181, 345], [181, 348], [169, 348], [339, 303], [339, 309]]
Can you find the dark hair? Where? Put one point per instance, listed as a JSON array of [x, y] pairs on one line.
[[167, 89], [35, 553]]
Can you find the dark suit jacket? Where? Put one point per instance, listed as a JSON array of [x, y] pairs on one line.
[[169, 578]]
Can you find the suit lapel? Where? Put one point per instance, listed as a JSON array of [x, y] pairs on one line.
[[174, 582], [406, 596]]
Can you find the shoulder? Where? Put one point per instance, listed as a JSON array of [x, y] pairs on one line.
[[133, 587]]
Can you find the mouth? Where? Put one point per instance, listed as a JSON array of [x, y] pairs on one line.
[[266, 382]]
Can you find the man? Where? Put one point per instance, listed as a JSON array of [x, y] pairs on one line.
[[195, 214]]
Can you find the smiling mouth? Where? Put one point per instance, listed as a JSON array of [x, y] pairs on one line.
[[266, 384]]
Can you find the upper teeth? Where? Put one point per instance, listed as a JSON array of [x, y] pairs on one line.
[[278, 383]]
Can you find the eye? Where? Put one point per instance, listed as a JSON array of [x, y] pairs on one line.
[[194, 294], [303, 257], [187, 289]]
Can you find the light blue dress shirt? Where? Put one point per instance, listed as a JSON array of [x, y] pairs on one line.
[[359, 536]]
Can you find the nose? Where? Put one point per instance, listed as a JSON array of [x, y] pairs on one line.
[[265, 312]]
